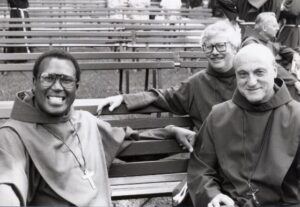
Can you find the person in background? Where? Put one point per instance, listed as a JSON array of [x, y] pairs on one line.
[[171, 4], [247, 153], [53, 155], [265, 30], [198, 94], [290, 18], [139, 4], [18, 9], [245, 11]]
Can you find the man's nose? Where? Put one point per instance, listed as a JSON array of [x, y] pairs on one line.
[[57, 85], [214, 51], [252, 80]]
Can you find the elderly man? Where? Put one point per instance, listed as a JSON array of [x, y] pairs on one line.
[[265, 31], [245, 11], [50, 154], [247, 152], [196, 95], [200, 92]]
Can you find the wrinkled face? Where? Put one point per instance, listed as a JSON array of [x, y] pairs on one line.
[[221, 61], [55, 86], [255, 78], [271, 27]]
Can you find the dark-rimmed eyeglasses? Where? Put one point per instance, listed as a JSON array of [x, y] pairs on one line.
[[220, 47], [48, 79]]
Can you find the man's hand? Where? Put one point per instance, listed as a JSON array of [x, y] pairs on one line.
[[184, 137], [112, 101], [221, 200]]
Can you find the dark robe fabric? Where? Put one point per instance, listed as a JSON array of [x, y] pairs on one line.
[[247, 10], [290, 32], [231, 148], [42, 170], [196, 95]]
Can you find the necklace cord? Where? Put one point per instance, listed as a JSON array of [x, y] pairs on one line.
[[82, 167], [266, 135]]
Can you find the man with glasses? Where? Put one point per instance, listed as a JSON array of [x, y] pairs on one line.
[[247, 153], [51, 154], [196, 95]]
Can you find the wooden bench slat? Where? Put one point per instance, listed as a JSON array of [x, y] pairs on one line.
[[97, 66], [148, 123], [148, 168], [143, 190], [151, 147], [147, 179]]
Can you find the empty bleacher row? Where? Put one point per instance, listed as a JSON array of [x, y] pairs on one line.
[[85, 34]]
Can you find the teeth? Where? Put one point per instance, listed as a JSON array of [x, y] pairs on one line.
[[55, 100]]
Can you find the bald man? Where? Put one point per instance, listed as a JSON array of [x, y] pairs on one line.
[[247, 152]]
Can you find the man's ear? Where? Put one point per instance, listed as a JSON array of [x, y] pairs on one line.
[[275, 66], [33, 83]]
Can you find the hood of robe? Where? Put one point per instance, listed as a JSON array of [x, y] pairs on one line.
[[44, 138], [228, 73], [281, 97], [24, 110]]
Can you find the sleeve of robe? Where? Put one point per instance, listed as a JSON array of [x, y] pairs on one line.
[[113, 138], [203, 181], [176, 99], [13, 165], [287, 53]]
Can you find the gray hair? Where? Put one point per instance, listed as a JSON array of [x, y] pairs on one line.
[[233, 32], [262, 19]]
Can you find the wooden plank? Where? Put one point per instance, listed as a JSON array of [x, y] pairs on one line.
[[162, 166], [151, 147], [65, 34], [94, 55], [147, 179], [143, 190], [112, 21], [97, 66], [150, 123]]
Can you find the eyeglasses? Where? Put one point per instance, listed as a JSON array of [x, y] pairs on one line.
[[48, 79], [220, 47]]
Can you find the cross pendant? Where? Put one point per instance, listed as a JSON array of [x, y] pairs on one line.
[[88, 175], [252, 192]]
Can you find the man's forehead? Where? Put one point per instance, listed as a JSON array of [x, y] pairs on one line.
[[253, 62], [58, 66], [217, 39]]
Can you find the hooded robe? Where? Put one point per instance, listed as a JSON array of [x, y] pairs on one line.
[[232, 147], [196, 95], [42, 170]]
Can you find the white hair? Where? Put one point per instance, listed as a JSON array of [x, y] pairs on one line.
[[233, 32]]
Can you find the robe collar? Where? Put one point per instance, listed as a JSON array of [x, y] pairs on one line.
[[25, 111], [214, 73], [280, 98]]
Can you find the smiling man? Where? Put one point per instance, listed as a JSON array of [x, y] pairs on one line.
[[51, 154], [247, 152]]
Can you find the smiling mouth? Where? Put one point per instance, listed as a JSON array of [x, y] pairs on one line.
[[216, 58], [55, 100]]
